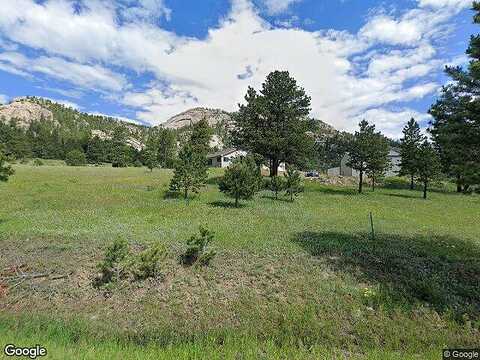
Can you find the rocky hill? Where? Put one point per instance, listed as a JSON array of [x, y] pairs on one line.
[[192, 116], [24, 112], [28, 110]]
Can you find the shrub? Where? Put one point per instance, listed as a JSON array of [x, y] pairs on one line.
[[75, 158], [119, 263], [112, 267], [23, 161], [396, 182], [197, 248], [137, 163], [277, 184], [293, 183], [38, 162], [146, 264], [242, 179]]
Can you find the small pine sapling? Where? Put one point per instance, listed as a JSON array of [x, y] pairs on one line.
[[293, 183]]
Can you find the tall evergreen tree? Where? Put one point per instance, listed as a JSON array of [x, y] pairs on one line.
[[293, 182], [456, 125], [273, 123], [150, 157], [242, 179], [190, 171], [360, 150], [5, 170], [378, 162], [200, 136], [409, 147], [427, 165], [166, 147]]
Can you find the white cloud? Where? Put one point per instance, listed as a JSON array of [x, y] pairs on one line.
[[346, 74], [278, 6], [460, 4], [87, 76], [145, 10], [391, 123], [4, 99], [66, 103]]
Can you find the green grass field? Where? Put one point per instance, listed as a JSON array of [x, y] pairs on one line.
[[300, 280]]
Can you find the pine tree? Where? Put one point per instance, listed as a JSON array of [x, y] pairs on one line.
[[150, 157], [75, 158], [410, 144], [360, 150], [96, 151], [427, 165], [277, 184], [166, 147], [190, 171], [456, 125], [200, 137], [5, 170], [378, 162], [242, 179], [274, 123], [293, 182]]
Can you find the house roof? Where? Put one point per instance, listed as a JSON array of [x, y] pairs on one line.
[[223, 152]]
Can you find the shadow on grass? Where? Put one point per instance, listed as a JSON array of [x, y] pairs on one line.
[[226, 204], [272, 197], [338, 191], [214, 180], [413, 195], [443, 272], [172, 195]]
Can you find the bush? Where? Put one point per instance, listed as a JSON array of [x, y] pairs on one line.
[[396, 182], [242, 179], [119, 263], [146, 264], [277, 184], [112, 267], [75, 158], [197, 248], [137, 163], [293, 183], [38, 162]]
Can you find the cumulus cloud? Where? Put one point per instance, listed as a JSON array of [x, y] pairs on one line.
[[87, 76], [459, 4], [4, 99], [278, 6], [348, 75], [391, 123]]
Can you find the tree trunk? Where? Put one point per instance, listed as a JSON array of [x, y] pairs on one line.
[[291, 196], [236, 201], [459, 184], [274, 167], [425, 190], [185, 193], [373, 183], [360, 184], [412, 182]]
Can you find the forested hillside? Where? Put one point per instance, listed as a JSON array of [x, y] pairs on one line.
[[39, 128]]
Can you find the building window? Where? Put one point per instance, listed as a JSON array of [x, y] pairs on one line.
[[210, 162], [219, 159]]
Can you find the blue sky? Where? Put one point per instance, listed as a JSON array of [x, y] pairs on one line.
[[147, 60]]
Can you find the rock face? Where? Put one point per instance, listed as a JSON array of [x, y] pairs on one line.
[[192, 116], [24, 112]]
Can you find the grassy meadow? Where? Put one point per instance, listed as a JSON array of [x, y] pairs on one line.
[[302, 280]]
